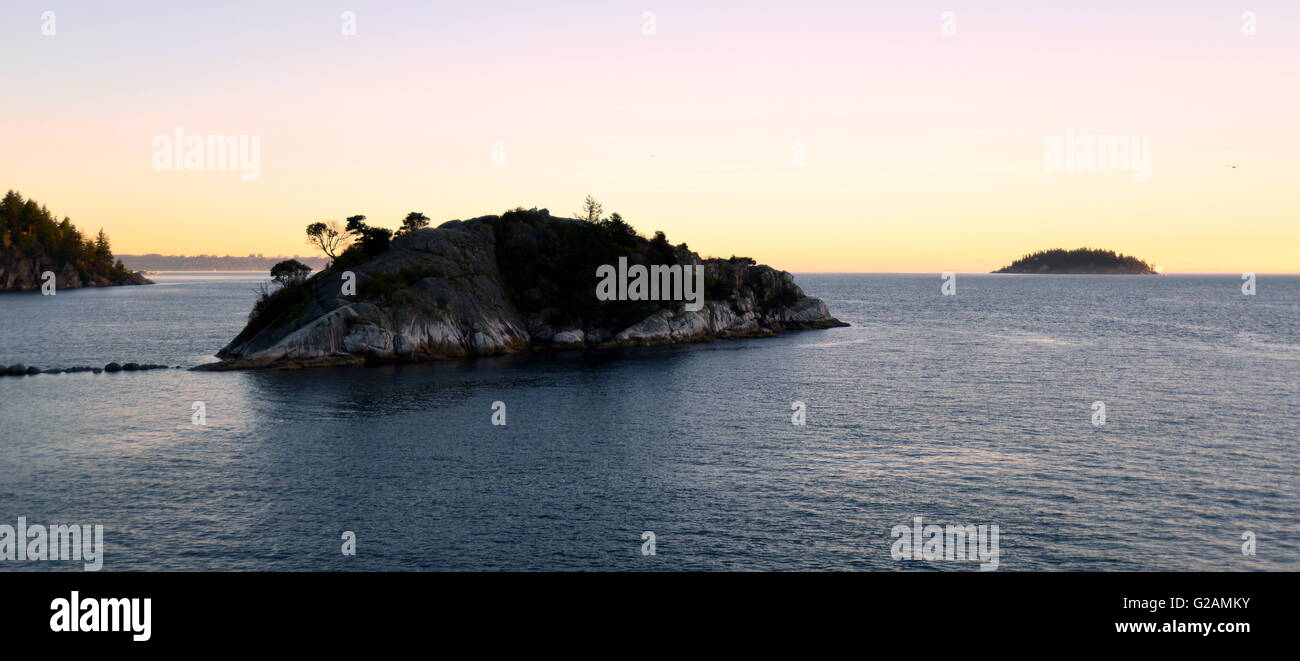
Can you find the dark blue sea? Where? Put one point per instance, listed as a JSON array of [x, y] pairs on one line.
[[974, 409]]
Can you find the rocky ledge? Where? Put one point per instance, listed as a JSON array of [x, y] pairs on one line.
[[501, 284]]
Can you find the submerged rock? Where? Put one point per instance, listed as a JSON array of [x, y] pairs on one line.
[[569, 339], [18, 369]]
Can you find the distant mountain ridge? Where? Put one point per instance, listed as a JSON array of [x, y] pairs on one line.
[[157, 262], [1080, 261], [32, 243]]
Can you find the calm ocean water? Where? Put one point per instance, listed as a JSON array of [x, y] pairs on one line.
[[973, 409]]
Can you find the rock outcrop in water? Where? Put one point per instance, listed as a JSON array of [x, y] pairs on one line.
[[19, 369], [1079, 261], [501, 284]]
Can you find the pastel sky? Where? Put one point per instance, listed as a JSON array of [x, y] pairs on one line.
[[814, 136]]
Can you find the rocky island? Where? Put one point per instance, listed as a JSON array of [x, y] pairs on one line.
[[32, 243], [1079, 261], [500, 284]]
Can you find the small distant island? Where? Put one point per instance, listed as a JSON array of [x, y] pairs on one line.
[[1080, 261], [33, 242]]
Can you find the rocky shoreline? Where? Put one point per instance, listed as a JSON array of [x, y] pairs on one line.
[[568, 340], [24, 275]]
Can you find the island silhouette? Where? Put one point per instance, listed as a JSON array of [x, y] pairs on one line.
[[501, 284], [1090, 261]]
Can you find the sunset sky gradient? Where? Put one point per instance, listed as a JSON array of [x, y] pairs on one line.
[[924, 152]]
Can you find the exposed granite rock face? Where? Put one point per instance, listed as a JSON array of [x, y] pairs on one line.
[[450, 300], [748, 314]]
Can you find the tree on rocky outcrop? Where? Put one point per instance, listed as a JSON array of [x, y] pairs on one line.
[[372, 240], [413, 221], [329, 237], [355, 224], [290, 272]]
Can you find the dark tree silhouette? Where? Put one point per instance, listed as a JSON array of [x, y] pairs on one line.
[[591, 211], [661, 251], [370, 240], [620, 230], [329, 237], [413, 221], [289, 272]]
